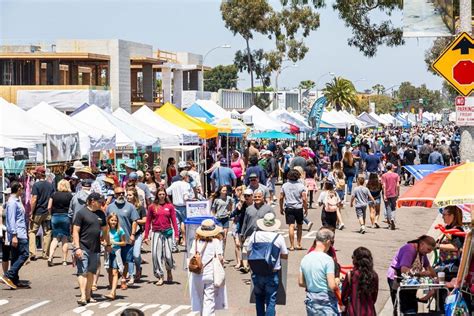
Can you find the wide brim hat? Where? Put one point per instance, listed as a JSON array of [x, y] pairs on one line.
[[85, 173], [268, 223], [78, 165], [109, 180], [130, 165], [208, 229]]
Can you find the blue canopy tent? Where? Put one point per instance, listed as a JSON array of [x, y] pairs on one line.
[[405, 123], [272, 135], [421, 171], [195, 110]]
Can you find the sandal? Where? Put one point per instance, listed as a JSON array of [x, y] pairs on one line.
[[299, 248], [94, 287], [110, 296], [159, 282], [82, 302], [291, 249], [91, 300], [244, 269]]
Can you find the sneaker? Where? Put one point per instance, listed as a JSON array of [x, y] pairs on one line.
[[131, 281], [341, 226], [8, 282], [50, 263], [377, 225], [310, 225], [64, 263], [362, 230], [33, 258]]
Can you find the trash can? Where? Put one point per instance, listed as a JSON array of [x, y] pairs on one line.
[[191, 224]]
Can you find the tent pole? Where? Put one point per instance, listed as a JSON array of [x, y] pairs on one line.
[[3, 182], [205, 168]]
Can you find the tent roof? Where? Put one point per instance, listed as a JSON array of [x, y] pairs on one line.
[[272, 135], [196, 111], [378, 118], [171, 113], [126, 135], [353, 119], [17, 125], [264, 122], [213, 108], [371, 122], [336, 119], [231, 126], [284, 116], [150, 118], [166, 139]]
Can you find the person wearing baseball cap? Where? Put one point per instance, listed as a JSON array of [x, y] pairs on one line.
[[40, 217], [266, 285], [89, 231]]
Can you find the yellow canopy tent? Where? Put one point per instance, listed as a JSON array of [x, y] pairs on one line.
[[172, 114]]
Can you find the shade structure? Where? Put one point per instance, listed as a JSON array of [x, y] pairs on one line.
[[169, 112], [90, 137], [421, 171], [335, 119], [213, 108], [7, 144], [452, 185], [150, 118], [369, 120], [196, 111], [231, 127], [126, 134], [272, 135], [264, 122], [285, 117]]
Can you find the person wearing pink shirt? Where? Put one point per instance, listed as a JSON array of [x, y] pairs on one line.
[[161, 219], [391, 190]]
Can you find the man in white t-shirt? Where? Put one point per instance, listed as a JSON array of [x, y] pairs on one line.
[[266, 286]]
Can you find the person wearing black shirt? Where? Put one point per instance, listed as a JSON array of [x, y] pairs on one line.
[[409, 157], [59, 206], [89, 229], [40, 214]]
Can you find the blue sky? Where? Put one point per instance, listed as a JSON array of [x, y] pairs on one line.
[[196, 26]]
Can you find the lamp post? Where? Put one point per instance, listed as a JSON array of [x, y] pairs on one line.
[[276, 83], [332, 74], [202, 64]]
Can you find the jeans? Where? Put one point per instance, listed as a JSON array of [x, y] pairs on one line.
[[137, 257], [390, 208], [19, 255], [349, 180], [265, 289]]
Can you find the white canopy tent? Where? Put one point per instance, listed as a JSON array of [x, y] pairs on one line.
[[7, 144], [354, 120], [376, 117], [166, 139], [213, 108], [335, 118], [126, 134], [264, 122], [148, 117], [389, 118], [90, 137], [285, 116]]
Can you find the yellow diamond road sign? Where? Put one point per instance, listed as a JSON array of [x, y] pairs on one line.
[[456, 64]]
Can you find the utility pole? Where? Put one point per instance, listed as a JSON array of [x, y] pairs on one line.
[[466, 148]]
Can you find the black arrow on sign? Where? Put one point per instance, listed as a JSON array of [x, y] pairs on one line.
[[464, 45]]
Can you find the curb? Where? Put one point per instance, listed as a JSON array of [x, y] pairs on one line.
[[387, 310]]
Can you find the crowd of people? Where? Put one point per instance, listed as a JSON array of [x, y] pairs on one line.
[[95, 213]]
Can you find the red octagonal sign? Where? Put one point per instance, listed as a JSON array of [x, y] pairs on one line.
[[463, 72]]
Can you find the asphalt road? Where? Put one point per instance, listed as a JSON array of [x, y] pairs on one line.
[[54, 290]]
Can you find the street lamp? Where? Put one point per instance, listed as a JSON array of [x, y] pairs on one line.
[[276, 81], [202, 64], [332, 74]]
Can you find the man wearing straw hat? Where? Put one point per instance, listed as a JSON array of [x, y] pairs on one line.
[[266, 286]]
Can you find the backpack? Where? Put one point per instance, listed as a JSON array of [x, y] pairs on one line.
[[195, 263], [263, 257]]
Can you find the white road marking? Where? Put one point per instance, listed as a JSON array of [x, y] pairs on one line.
[[104, 305], [150, 306], [3, 302], [177, 309], [122, 306], [163, 308], [32, 307]]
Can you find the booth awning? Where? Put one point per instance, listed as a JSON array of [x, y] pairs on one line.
[[169, 112], [196, 111]]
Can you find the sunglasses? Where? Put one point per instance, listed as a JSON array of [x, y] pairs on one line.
[[247, 195], [120, 193]]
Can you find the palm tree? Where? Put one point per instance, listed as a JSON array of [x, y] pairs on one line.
[[341, 94], [378, 88]]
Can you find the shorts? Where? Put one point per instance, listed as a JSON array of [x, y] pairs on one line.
[[376, 202], [180, 213], [271, 184], [127, 253], [360, 211], [89, 263], [6, 252], [223, 222], [293, 215], [310, 184]]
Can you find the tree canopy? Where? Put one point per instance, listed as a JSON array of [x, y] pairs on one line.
[[341, 94], [220, 77]]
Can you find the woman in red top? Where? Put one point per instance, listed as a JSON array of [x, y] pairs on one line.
[[360, 287], [170, 170], [161, 219]]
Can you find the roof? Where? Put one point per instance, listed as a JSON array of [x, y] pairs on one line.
[[54, 55], [145, 60]]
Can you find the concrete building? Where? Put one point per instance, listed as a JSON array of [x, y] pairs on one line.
[[111, 73]]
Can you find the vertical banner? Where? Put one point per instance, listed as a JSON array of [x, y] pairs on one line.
[[316, 113], [64, 147]]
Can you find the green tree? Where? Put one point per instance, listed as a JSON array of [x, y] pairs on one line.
[[220, 77], [307, 84], [261, 89], [383, 103], [246, 17], [429, 100], [378, 88], [259, 64], [341, 94]]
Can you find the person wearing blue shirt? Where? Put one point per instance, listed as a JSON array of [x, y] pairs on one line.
[[435, 157], [224, 176], [372, 162], [17, 236]]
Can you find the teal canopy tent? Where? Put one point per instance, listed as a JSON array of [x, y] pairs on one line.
[[272, 135]]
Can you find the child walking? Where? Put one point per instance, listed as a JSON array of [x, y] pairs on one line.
[[117, 239], [361, 195]]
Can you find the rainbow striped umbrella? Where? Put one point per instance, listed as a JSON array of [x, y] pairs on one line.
[[452, 185]]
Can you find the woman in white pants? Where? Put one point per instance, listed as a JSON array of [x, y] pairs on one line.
[[206, 298]]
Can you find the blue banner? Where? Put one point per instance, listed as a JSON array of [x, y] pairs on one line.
[[314, 117], [421, 171]]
